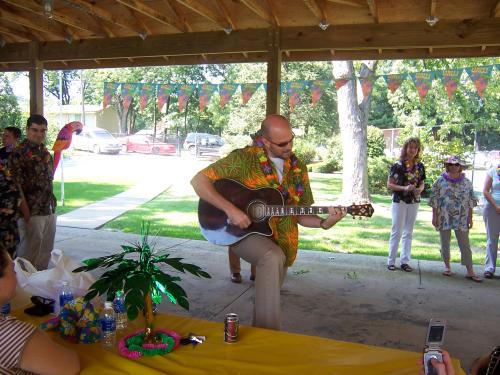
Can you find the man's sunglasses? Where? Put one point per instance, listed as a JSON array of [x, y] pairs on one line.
[[282, 144]]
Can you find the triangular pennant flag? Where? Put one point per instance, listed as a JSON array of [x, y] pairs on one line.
[[145, 93], [497, 66], [317, 89], [423, 83], [294, 89], [394, 81], [340, 82], [128, 92], [480, 75], [164, 92], [450, 79], [367, 85], [109, 90], [206, 92], [226, 92], [184, 92], [247, 91]]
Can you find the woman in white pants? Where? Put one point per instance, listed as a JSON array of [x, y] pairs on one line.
[[406, 181], [491, 215]]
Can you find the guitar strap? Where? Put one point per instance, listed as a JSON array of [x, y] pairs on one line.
[[493, 365]]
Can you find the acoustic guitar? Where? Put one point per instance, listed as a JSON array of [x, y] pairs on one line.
[[260, 205]]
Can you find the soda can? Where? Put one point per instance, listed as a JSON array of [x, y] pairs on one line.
[[5, 309], [231, 325]]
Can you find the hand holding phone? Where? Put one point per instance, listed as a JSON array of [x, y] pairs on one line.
[[433, 343]]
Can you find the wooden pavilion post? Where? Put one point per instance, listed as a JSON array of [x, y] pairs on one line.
[[273, 74], [36, 80]]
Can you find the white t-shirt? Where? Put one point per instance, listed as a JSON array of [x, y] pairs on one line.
[[495, 185], [278, 163]]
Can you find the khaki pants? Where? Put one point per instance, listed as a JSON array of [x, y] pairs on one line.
[[463, 244], [37, 239], [234, 262], [269, 260]]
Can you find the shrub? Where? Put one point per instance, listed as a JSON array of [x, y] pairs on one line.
[[376, 143], [305, 150], [378, 170], [331, 165]]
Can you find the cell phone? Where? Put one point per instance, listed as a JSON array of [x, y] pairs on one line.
[[433, 343]]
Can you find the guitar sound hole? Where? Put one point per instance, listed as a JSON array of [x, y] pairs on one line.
[[257, 211]]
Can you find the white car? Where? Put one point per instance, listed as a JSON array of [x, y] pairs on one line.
[[96, 140]]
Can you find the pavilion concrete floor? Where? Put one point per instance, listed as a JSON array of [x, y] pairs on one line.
[[340, 296]]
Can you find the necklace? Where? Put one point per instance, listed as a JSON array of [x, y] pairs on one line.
[[498, 172], [412, 174], [448, 178], [292, 193]]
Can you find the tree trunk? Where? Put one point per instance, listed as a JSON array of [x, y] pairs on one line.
[[353, 118], [149, 316]]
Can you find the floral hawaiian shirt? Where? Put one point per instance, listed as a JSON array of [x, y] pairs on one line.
[[403, 176], [452, 201], [243, 165], [32, 169], [10, 198]]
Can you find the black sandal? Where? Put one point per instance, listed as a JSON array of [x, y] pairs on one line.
[[392, 267], [406, 268]]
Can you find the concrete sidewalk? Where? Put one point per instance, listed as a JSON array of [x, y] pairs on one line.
[[340, 296]]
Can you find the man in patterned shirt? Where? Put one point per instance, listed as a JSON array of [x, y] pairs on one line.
[[268, 163], [31, 166]]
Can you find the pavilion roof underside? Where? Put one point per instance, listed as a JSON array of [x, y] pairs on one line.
[[74, 34]]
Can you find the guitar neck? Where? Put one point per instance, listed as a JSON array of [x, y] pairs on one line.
[[277, 210]]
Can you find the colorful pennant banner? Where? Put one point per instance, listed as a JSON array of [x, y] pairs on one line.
[[451, 79]]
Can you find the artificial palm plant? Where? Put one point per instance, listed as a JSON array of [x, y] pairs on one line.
[[136, 270]]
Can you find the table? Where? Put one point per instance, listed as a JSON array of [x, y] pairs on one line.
[[258, 351]]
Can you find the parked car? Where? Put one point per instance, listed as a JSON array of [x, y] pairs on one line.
[[206, 143], [145, 143], [96, 140]]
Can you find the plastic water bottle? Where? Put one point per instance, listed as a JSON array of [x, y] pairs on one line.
[[5, 309], [108, 325], [120, 310], [65, 295]]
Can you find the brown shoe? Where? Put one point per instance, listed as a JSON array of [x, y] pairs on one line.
[[236, 278], [252, 277]]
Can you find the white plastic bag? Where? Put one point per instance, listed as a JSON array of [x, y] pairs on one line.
[[47, 283]]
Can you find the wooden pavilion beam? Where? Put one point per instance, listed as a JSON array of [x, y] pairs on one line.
[[35, 79], [204, 10], [444, 34], [274, 14], [78, 22], [150, 12], [273, 74], [227, 15], [26, 36], [433, 7], [351, 3], [102, 13]]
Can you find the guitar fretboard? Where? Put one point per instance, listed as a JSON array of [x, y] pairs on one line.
[[294, 210]]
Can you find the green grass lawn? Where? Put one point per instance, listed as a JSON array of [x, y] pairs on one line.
[[82, 193], [176, 216]]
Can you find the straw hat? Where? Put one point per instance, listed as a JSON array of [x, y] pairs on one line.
[[454, 159]]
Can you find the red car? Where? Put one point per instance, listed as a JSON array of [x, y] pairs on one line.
[[145, 144]]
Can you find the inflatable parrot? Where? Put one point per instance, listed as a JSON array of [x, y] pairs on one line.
[[63, 140]]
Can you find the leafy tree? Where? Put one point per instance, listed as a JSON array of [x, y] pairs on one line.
[[9, 106], [51, 83]]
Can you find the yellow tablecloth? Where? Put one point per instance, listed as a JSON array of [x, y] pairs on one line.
[[258, 351]]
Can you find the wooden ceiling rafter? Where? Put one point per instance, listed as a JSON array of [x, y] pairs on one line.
[[176, 9], [24, 35], [227, 15], [259, 10], [152, 13], [348, 2], [273, 12], [136, 21], [103, 14], [82, 24], [205, 11], [495, 9], [372, 5], [317, 7], [40, 25], [433, 7]]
